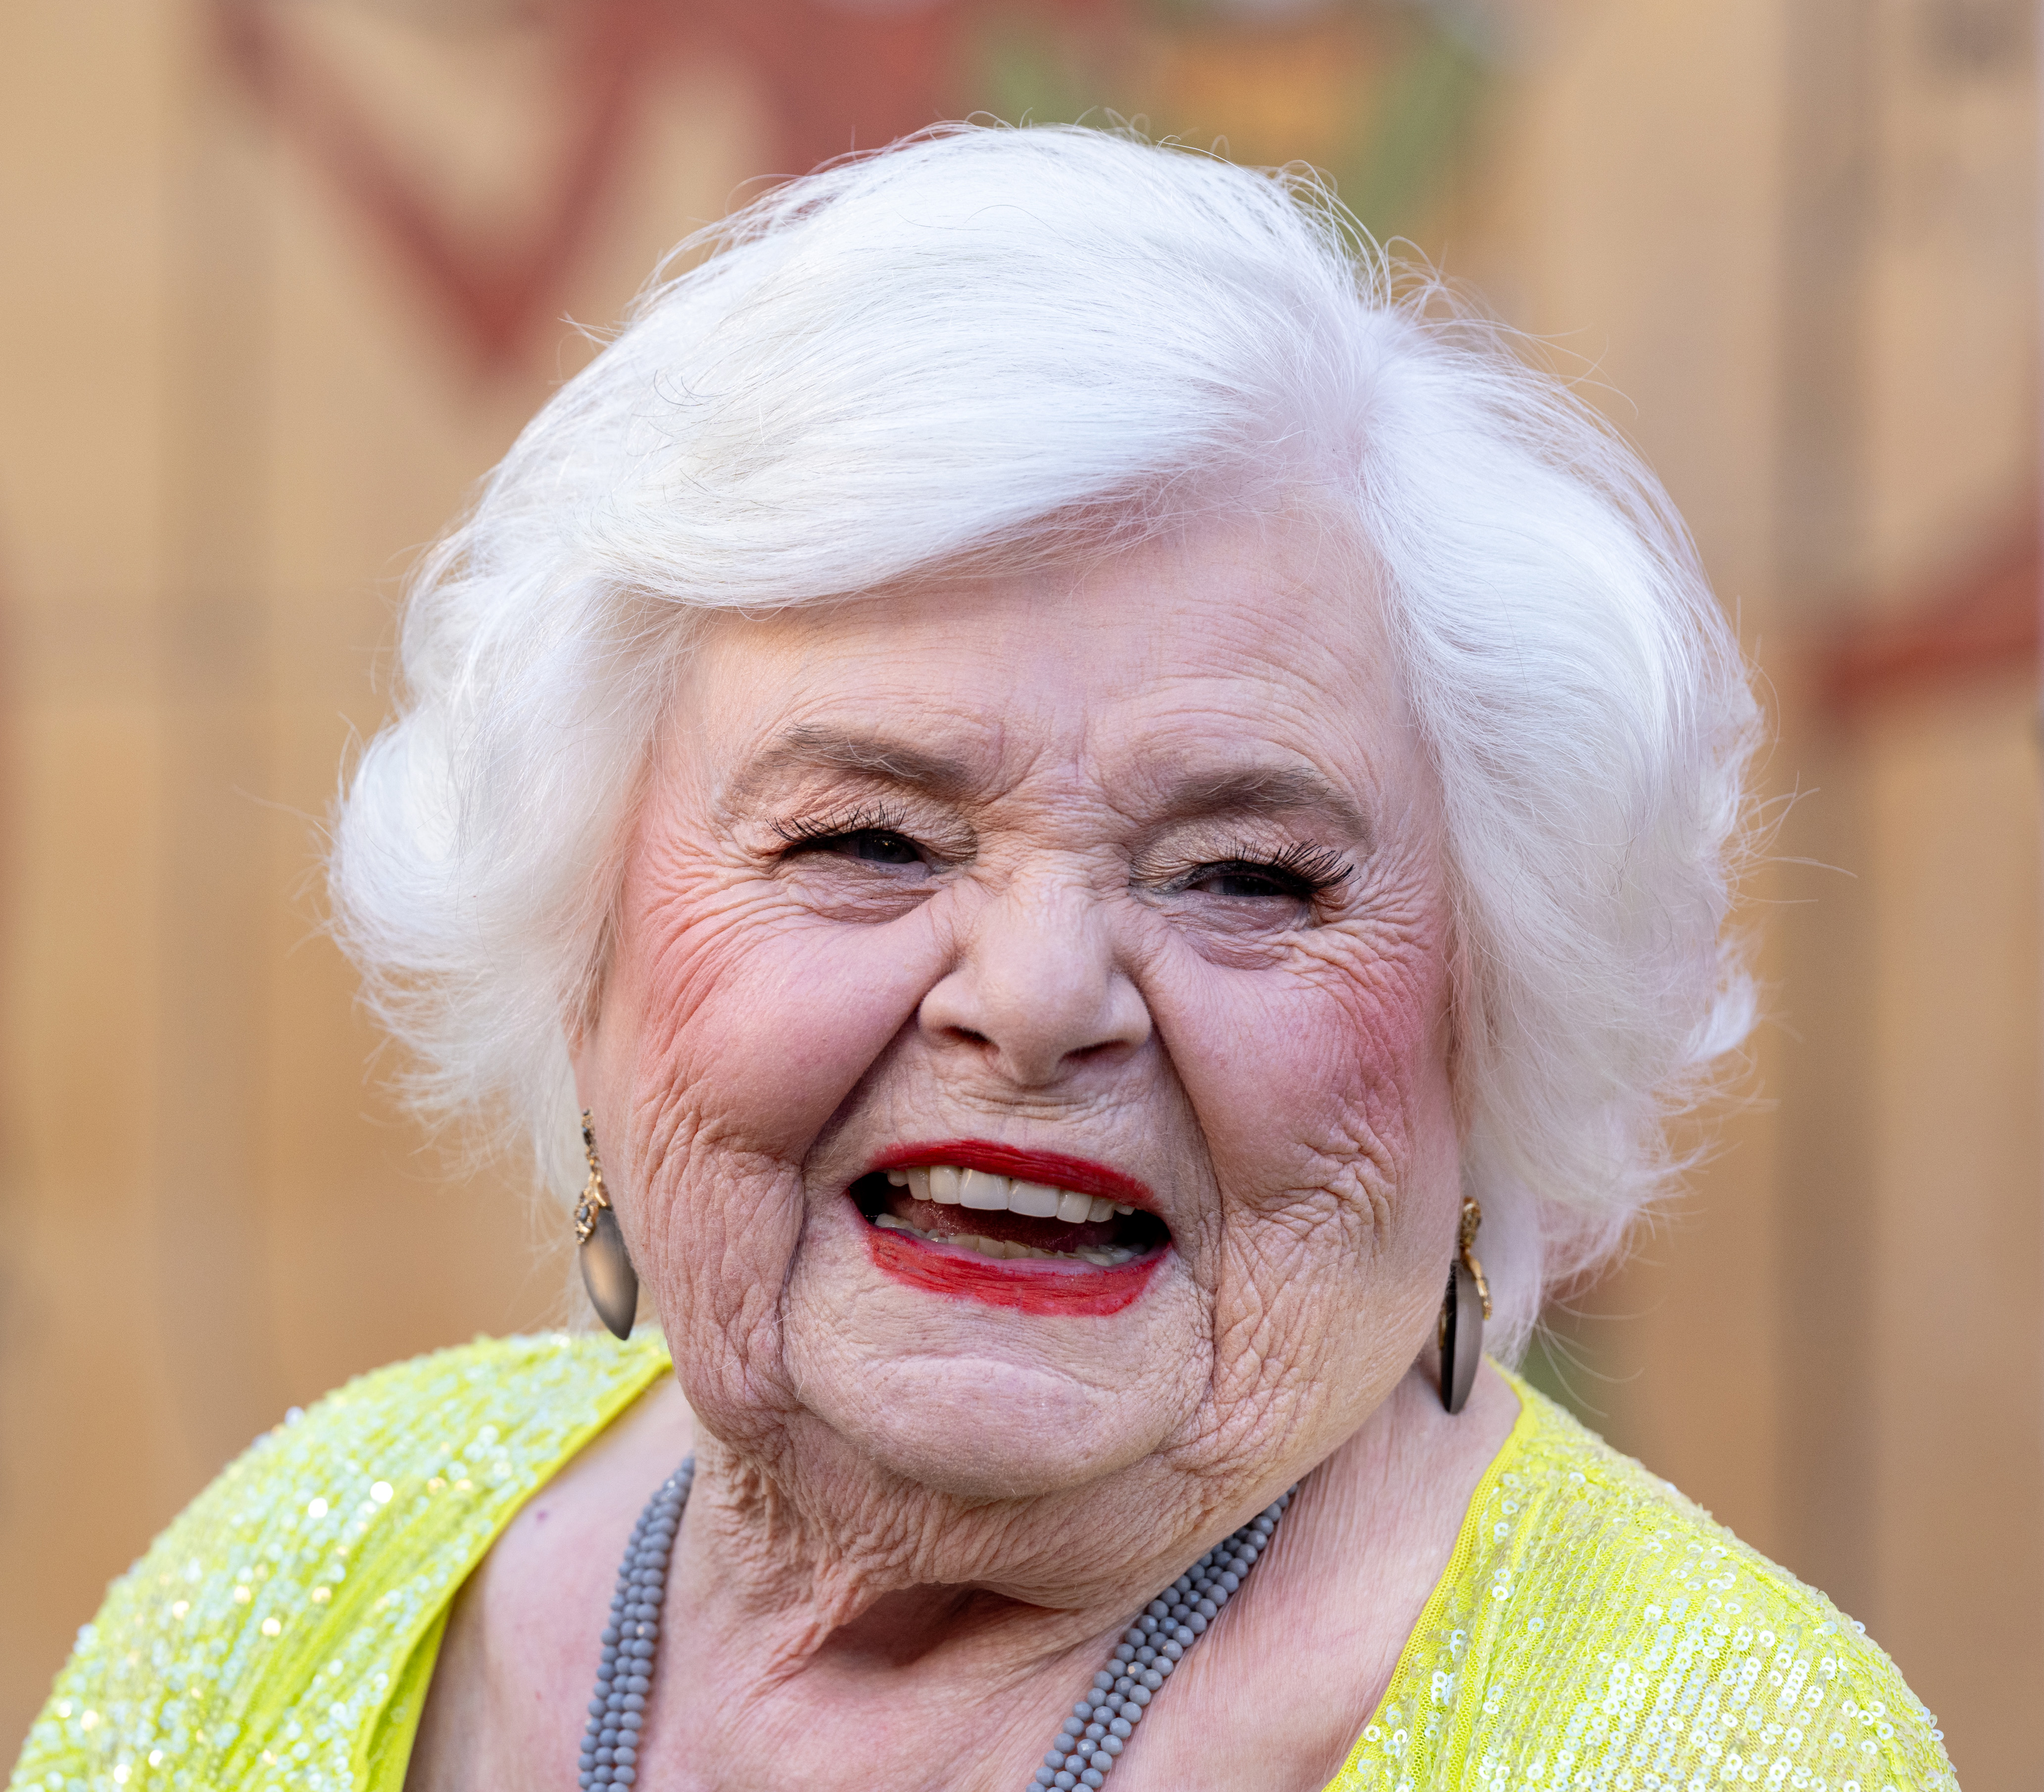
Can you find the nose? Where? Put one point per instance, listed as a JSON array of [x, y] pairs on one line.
[[1038, 987]]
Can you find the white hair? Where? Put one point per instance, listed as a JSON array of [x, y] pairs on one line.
[[986, 340]]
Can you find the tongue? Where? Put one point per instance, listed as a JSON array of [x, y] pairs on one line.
[[948, 1220]]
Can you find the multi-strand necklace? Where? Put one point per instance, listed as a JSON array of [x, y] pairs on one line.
[[1088, 1743]]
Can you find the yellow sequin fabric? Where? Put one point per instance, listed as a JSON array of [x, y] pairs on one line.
[[281, 1633], [1594, 1629], [1597, 1629]]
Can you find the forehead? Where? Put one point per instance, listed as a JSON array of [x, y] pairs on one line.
[[1253, 643]]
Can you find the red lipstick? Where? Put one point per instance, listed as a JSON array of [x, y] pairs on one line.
[[1079, 1291], [1072, 1286], [1051, 1167]]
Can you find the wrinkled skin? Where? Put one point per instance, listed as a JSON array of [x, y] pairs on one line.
[[1137, 860]]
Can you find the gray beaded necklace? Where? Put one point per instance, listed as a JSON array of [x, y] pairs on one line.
[[1088, 1743]]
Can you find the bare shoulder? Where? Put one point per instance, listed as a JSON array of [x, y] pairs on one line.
[[505, 1707]]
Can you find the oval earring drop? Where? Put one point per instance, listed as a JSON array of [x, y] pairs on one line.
[[1463, 1311], [606, 1265]]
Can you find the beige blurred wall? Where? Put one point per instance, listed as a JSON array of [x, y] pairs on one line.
[[1798, 236], [226, 422], [1809, 257]]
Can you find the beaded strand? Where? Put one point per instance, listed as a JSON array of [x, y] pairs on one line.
[[1092, 1739], [1089, 1742], [632, 1638]]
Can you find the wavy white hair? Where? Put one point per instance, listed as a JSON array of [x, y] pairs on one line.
[[989, 341]]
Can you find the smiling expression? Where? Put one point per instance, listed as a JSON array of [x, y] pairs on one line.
[[956, 913]]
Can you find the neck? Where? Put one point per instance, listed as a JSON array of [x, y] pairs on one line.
[[974, 1624], [817, 1562]]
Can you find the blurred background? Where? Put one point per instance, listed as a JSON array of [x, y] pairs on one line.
[[280, 278]]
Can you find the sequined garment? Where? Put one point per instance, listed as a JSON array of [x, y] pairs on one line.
[[1594, 1629]]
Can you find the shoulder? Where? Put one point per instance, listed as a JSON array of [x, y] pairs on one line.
[[1594, 1621], [270, 1626]]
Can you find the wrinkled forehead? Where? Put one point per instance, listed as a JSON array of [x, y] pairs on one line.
[[1247, 658]]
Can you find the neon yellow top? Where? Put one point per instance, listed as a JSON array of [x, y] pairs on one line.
[[1593, 1628]]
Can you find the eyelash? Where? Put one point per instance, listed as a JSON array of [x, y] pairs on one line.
[[1314, 869], [813, 830]]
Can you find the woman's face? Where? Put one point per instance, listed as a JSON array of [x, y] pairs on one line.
[[1022, 1062]]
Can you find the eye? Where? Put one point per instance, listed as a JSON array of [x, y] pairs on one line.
[[1296, 874], [876, 846], [868, 836], [1239, 880]]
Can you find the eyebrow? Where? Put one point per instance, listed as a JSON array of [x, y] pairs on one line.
[[1250, 790], [1265, 790], [806, 747]]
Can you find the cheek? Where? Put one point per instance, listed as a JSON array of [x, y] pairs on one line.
[[1388, 1094], [750, 1020], [733, 1026], [1324, 1101], [1331, 1084]]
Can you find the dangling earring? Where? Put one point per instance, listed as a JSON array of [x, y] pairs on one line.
[[606, 1266], [1463, 1311]]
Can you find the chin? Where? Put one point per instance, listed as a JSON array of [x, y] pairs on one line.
[[985, 1398], [983, 1427]]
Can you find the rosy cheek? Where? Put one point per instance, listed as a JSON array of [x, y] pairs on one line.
[[1344, 1071], [760, 1020], [1395, 1021]]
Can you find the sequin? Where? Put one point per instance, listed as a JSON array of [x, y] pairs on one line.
[[1594, 1629], [312, 1577], [1597, 1629]]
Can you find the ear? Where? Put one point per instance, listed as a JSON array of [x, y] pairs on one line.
[[578, 1044], [584, 1010], [1465, 1014]]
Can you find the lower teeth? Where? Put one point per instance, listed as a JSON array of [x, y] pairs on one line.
[[1107, 1258]]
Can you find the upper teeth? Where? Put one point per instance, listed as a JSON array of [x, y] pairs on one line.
[[1001, 1194]]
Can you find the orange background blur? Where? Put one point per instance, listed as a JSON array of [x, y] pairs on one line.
[[279, 279]]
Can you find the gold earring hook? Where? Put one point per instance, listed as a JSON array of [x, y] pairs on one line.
[[1466, 1244], [595, 1197]]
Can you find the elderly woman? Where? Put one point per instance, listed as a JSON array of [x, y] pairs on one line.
[[1082, 820]]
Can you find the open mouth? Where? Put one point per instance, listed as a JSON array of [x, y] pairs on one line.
[[1009, 1226]]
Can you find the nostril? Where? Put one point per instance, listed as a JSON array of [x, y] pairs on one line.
[[1040, 995], [1106, 1047]]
